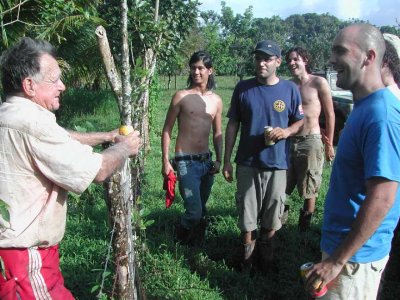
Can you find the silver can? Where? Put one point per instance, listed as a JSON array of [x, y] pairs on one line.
[[267, 140]]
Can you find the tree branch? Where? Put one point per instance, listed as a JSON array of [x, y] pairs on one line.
[[109, 64], [14, 7]]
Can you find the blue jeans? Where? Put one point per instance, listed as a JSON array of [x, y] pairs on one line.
[[195, 182]]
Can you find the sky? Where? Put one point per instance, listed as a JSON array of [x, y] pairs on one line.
[[376, 12]]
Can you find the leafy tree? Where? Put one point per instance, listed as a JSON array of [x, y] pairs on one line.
[[67, 24], [315, 33], [391, 29], [228, 39], [273, 28], [218, 48]]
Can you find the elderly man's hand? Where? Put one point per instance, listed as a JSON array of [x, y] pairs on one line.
[[132, 142]]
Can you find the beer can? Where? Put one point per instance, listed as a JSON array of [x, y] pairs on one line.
[[318, 292], [304, 270], [267, 140]]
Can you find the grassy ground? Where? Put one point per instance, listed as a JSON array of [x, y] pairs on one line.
[[169, 270]]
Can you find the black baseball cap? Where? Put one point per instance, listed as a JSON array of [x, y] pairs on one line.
[[268, 47]]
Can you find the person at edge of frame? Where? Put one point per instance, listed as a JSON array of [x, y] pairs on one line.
[[197, 109], [362, 204], [391, 79], [391, 63], [40, 163], [265, 100]]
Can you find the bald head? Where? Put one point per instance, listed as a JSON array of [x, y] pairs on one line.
[[357, 54], [367, 37]]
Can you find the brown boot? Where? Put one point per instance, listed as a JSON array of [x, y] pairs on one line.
[[183, 234], [265, 250], [199, 232], [304, 220], [248, 256]]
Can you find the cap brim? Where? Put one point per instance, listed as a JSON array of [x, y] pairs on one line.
[[270, 53]]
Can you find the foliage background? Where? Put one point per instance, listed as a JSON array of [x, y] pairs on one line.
[[229, 38]]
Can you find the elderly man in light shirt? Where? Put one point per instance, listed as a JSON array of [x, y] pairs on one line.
[[39, 163]]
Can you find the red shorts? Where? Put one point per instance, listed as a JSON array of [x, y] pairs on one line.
[[32, 274]]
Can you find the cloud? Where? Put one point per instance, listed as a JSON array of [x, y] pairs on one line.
[[309, 3], [377, 12], [349, 9]]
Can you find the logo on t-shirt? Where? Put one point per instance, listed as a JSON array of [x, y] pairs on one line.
[[279, 105]]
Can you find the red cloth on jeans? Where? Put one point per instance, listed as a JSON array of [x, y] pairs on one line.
[[32, 274], [169, 187]]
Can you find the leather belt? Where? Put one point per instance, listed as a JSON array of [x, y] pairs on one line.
[[299, 138], [201, 157]]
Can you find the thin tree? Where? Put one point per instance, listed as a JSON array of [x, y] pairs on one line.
[[122, 186]]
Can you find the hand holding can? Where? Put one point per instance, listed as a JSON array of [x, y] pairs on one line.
[[267, 139], [317, 292]]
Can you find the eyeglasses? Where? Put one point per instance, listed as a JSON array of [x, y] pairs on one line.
[[52, 81], [55, 81], [266, 59]]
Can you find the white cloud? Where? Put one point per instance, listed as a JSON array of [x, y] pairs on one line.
[[309, 3], [349, 9], [377, 12]]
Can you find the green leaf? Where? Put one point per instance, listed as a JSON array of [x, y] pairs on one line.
[[80, 128], [148, 223], [106, 274], [4, 213], [95, 288]]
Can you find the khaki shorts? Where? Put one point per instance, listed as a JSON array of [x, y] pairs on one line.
[[260, 197], [356, 281], [306, 165]]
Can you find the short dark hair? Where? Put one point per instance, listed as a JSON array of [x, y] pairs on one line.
[[392, 61], [303, 53], [22, 60], [206, 59]]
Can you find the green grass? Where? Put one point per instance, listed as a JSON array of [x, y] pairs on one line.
[[167, 269]]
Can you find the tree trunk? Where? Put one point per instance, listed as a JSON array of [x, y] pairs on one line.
[[175, 83], [142, 115], [169, 81], [119, 196], [119, 201]]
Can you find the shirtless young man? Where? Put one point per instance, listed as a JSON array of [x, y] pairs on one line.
[[307, 148], [198, 110]]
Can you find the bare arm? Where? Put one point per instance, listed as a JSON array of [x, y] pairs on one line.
[[93, 138], [325, 97], [380, 198], [217, 136], [230, 138], [172, 115], [114, 157]]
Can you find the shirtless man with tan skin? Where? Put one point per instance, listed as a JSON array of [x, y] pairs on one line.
[[197, 110], [307, 147]]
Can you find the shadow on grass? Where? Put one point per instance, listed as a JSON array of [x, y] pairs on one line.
[[217, 259]]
